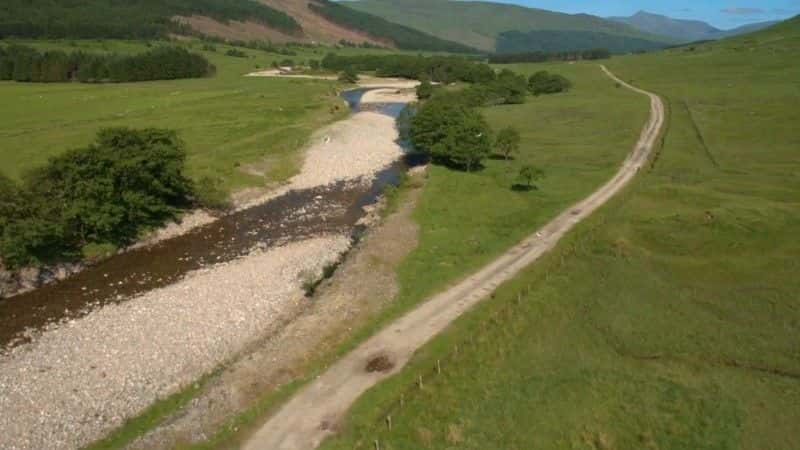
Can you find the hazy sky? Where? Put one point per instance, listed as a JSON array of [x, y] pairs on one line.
[[720, 13]]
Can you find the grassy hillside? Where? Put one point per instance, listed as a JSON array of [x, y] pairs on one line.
[[244, 130], [401, 36], [667, 320], [549, 41], [683, 30], [478, 24]]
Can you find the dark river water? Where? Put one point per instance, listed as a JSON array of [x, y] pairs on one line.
[[293, 216]]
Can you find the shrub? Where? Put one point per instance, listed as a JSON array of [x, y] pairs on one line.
[[348, 76], [544, 82], [236, 53], [209, 193], [425, 90], [104, 193]]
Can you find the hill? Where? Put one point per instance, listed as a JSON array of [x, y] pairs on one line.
[[684, 30], [275, 20], [479, 24]]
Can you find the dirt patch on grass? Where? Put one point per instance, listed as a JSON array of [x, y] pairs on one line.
[[362, 286], [380, 363]]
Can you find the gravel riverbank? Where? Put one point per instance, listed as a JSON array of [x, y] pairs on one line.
[[84, 378]]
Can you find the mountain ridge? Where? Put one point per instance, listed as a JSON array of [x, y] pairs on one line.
[[480, 23], [684, 30]]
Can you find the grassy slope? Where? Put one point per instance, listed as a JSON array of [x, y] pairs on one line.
[[225, 120], [667, 320], [478, 23]]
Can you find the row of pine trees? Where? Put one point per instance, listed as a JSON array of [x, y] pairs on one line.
[[27, 64]]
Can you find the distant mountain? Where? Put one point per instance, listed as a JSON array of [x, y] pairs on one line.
[[684, 30], [745, 29], [499, 27]]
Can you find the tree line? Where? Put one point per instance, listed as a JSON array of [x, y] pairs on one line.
[[129, 19], [443, 69], [103, 194], [27, 64], [534, 57], [450, 129], [402, 36]]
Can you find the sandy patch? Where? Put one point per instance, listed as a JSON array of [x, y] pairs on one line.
[[389, 95]]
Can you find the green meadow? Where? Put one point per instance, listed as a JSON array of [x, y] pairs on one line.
[[467, 219], [246, 131], [667, 320]]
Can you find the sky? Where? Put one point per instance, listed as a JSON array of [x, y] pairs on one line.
[[720, 13]]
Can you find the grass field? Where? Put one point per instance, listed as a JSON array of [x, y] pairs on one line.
[[246, 131], [468, 219], [668, 320]]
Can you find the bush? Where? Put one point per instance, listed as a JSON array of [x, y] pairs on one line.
[[236, 53], [425, 90], [209, 194], [348, 76], [105, 193], [544, 82]]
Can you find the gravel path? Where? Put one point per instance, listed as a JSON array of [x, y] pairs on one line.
[[84, 378]]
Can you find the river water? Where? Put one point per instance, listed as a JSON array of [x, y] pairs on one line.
[[294, 216]]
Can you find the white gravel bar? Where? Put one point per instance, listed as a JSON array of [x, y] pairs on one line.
[[79, 381]]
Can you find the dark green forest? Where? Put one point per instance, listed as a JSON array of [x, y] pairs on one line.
[[26, 64], [403, 37], [534, 57], [105, 193], [126, 19], [550, 41]]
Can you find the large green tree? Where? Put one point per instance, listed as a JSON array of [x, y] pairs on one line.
[[451, 134]]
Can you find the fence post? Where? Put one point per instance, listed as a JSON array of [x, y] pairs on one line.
[[377, 445], [438, 367], [420, 381], [389, 422]]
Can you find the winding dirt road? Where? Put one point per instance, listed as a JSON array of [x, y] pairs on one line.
[[309, 416]]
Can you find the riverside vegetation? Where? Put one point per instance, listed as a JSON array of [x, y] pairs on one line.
[[666, 320]]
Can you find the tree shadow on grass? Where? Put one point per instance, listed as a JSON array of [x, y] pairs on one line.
[[500, 157], [518, 187]]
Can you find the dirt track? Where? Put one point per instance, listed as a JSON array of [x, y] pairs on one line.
[[308, 417]]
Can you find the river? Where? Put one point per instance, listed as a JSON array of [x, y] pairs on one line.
[[296, 215]]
